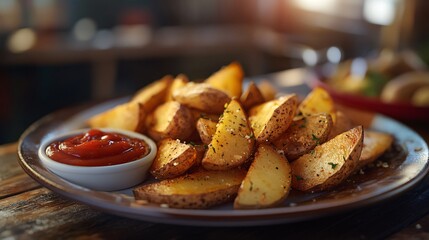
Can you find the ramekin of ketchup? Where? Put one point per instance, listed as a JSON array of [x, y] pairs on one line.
[[97, 148], [100, 159]]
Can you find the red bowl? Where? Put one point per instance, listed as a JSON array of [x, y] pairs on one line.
[[400, 111]]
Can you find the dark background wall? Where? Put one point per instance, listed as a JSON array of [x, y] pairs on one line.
[[188, 36]]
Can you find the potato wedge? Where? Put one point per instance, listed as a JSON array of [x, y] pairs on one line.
[[267, 90], [206, 129], [342, 124], [173, 159], [178, 82], [202, 96], [132, 115], [128, 116], [318, 101], [228, 79], [267, 182], [171, 120], [304, 135], [201, 189], [252, 96], [271, 119], [374, 145], [330, 163], [154, 94], [233, 142]]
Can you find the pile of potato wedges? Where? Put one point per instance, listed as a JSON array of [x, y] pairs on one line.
[[218, 142]]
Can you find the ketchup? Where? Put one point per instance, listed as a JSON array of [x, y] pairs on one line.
[[97, 148]]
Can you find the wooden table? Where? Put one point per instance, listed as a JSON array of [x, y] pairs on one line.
[[30, 211]]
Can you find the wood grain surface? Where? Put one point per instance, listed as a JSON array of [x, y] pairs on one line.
[[29, 211]]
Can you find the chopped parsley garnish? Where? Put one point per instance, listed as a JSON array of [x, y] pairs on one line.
[[333, 165], [315, 139]]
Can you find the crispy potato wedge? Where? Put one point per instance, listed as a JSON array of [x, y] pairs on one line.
[[207, 116], [374, 145], [318, 101], [228, 79], [267, 90], [154, 94], [267, 182], [233, 142], [178, 82], [200, 189], [173, 159], [206, 129], [132, 115], [171, 120], [330, 163], [304, 135], [252, 96], [271, 119], [128, 116], [342, 124], [202, 96]]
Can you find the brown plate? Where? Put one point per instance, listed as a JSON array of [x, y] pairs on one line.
[[401, 168]]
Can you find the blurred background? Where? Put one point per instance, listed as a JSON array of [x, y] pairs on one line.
[[56, 53]]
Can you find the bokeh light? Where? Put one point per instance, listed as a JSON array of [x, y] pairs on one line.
[[21, 40]]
